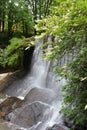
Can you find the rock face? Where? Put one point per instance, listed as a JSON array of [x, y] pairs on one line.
[[28, 53], [29, 115], [6, 79], [40, 94], [10, 104], [3, 97], [3, 79], [57, 127], [8, 126]]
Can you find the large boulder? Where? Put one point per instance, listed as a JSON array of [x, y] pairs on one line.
[[40, 94], [28, 115]]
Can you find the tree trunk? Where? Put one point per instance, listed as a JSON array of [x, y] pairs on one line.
[[23, 29], [2, 22], [35, 10], [10, 23]]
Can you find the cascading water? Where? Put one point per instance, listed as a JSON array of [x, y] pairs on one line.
[[36, 77], [40, 87]]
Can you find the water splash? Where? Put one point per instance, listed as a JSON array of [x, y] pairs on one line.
[[41, 76]]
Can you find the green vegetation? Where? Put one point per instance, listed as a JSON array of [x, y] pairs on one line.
[[12, 56], [9, 57], [66, 21], [69, 26], [17, 19]]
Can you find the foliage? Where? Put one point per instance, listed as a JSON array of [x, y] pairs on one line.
[[12, 55], [15, 44], [69, 26], [13, 60], [76, 89], [3, 59], [15, 16], [40, 8], [18, 16], [9, 55]]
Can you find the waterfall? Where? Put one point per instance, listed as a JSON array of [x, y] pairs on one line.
[[39, 86]]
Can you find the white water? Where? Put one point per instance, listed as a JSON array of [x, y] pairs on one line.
[[41, 77]]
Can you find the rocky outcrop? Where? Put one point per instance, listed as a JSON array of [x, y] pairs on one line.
[[28, 53], [8, 126], [57, 127], [29, 115], [9, 105], [6, 79], [3, 97], [40, 94]]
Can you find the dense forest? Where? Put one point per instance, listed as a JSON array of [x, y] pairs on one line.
[[66, 22], [17, 20]]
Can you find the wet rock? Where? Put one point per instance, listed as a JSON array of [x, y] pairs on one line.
[[2, 76], [57, 127], [69, 123], [5, 80], [40, 94], [2, 114], [9, 126], [28, 115], [79, 127], [10, 104], [3, 97]]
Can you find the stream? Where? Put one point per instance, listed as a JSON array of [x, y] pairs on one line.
[[41, 96]]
